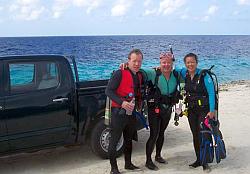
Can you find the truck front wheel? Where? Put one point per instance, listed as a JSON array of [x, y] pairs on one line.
[[100, 140]]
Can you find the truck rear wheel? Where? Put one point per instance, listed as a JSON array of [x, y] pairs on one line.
[[100, 140]]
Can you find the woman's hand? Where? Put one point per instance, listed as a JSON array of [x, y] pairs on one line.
[[157, 67], [123, 66]]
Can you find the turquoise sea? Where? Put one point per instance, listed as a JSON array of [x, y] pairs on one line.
[[98, 56]]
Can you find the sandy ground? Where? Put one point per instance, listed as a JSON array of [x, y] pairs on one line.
[[178, 149]]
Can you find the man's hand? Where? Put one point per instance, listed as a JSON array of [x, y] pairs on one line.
[[128, 106], [210, 115]]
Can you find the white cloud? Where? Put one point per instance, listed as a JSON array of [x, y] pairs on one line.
[[60, 6], [235, 13], [184, 16], [120, 8], [95, 4], [166, 7], [26, 9], [1, 9], [147, 3], [88, 4], [243, 2], [170, 6], [212, 9], [150, 12], [80, 3], [205, 18], [210, 12]]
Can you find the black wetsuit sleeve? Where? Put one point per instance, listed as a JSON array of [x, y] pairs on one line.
[[113, 84]]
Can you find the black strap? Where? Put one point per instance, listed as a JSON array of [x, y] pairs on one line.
[[215, 82], [158, 73], [204, 72], [178, 78]]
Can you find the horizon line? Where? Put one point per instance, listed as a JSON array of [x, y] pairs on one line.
[[105, 35]]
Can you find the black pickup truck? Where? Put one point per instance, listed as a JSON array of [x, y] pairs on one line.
[[43, 105]]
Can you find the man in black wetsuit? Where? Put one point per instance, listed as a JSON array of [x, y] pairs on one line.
[[123, 89]]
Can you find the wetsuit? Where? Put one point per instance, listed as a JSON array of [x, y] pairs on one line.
[[120, 122], [197, 111], [158, 122]]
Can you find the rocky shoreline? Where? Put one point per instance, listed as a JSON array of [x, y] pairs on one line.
[[226, 86]]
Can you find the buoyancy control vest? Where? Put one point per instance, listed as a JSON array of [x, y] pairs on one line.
[[196, 93], [156, 99], [126, 88]]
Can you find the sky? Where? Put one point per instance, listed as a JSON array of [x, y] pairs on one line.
[[123, 17]]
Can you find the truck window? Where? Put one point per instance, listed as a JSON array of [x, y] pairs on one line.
[[49, 75], [32, 76], [21, 74]]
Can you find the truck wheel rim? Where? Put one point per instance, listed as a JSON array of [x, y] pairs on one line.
[[104, 140]]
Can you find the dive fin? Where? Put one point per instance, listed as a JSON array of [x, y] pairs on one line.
[[141, 118], [220, 150], [206, 148]]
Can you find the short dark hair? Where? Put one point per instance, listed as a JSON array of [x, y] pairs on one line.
[[191, 55], [136, 51]]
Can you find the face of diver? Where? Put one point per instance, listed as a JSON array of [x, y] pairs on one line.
[[166, 64], [191, 64], [134, 62]]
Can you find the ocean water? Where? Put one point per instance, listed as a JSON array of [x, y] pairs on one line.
[[98, 56]]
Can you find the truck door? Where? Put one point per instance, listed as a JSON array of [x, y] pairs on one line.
[[4, 146], [37, 106]]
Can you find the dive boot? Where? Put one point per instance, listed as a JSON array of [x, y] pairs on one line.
[[115, 171], [159, 159], [206, 168], [131, 166], [195, 164], [150, 165]]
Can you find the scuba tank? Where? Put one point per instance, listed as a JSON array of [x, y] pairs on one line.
[[107, 116]]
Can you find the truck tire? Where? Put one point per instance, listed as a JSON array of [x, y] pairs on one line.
[[100, 140]]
